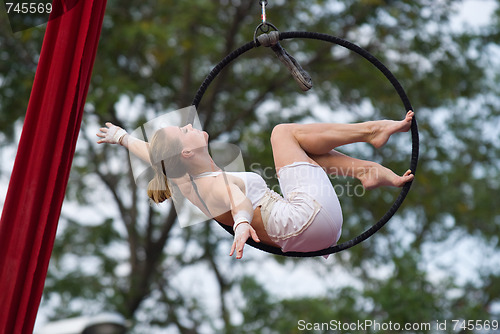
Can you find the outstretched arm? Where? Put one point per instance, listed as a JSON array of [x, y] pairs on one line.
[[113, 134]]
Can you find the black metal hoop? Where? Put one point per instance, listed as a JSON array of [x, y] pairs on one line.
[[404, 98]]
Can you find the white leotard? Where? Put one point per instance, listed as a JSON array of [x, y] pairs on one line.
[[307, 218]]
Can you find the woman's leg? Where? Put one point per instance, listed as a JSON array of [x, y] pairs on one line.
[[314, 143], [321, 138], [371, 174]]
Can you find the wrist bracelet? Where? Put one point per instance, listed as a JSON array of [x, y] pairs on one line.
[[242, 216], [235, 226], [118, 136], [120, 141]]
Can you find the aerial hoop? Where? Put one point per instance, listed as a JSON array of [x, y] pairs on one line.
[[397, 86]]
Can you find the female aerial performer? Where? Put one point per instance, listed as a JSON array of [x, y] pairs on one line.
[[308, 216]]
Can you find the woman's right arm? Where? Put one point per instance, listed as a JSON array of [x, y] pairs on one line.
[[113, 134]]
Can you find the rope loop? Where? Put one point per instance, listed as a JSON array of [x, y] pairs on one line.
[[269, 39]]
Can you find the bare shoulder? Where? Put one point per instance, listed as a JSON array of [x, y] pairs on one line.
[[224, 183]]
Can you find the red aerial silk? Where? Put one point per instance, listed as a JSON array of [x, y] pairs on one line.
[[42, 166]]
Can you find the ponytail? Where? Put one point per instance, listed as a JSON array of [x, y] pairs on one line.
[[158, 189], [164, 153]]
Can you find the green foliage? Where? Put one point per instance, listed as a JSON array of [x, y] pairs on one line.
[[18, 59], [406, 296]]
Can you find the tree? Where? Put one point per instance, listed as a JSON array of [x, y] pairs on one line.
[[114, 251]]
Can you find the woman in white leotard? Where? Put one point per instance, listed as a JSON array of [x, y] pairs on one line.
[[308, 216]]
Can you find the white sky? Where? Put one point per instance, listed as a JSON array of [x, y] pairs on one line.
[[475, 12]]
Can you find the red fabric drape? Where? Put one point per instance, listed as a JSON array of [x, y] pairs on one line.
[[45, 153]]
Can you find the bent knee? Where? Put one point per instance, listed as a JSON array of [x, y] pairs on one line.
[[282, 132]]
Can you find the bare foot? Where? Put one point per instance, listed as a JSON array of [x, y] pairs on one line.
[[379, 176], [383, 130]]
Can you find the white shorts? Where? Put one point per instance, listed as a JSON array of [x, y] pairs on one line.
[[309, 216]]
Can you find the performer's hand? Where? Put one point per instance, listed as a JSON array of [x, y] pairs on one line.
[[241, 234], [111, 134]]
